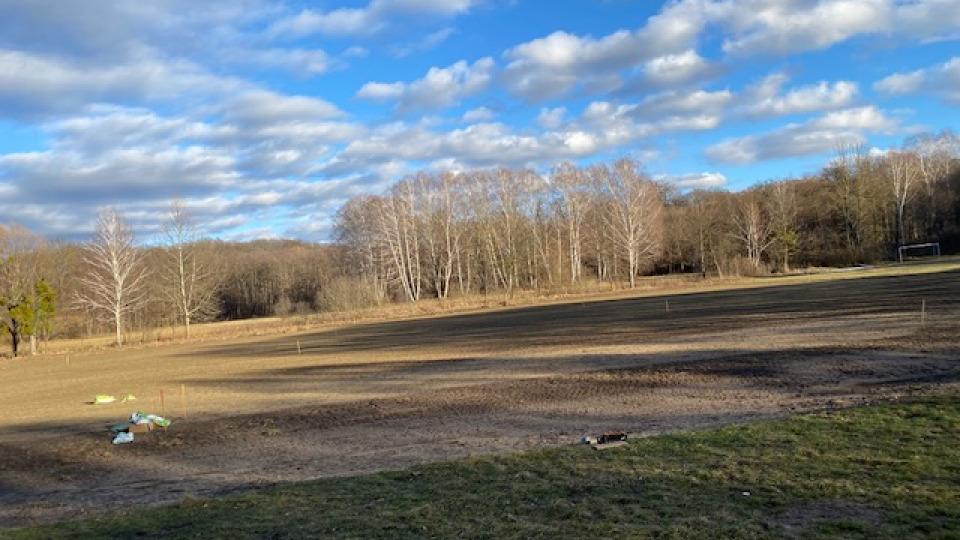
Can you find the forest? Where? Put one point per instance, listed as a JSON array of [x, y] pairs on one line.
[[497, 231]]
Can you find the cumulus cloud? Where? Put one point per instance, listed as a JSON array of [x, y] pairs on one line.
[[367, 20], [674, 69], [942, 80], [306, 62], [120, 174], [679, 103], [552, 66], [762, 27], [818, 97], [663, 52], [259, 107], [551, 118], [788, 26], [818, 136], [439, 88], [702, 180], [33, 86], [480, 114], [483, 144]]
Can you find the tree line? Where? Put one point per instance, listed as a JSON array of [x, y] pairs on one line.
[[433, 234], [443, 234]]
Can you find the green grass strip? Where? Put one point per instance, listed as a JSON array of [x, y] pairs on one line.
[[888, 471]]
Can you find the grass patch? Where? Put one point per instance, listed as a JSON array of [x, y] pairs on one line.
[[888, 471]]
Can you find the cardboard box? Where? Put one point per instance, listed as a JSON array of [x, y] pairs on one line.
[[141, 428]]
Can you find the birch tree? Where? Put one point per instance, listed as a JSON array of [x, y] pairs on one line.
[[752, 226], [115, 284], [189, 281], [575, 199], [398, 226], [904, 170], [634, 216], [441, 204], [357, 229]]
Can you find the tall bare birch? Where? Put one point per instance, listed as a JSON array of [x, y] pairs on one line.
[[189, 280], [575, 198], [634, 213], [116, 281]]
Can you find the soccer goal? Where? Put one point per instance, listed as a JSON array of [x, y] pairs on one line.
[[913, 251]]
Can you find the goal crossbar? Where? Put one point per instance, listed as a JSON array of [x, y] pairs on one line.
[[934, 245]]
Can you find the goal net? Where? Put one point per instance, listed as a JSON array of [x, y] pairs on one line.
[[914, 251]]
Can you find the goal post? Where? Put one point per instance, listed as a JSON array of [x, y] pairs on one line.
[[918, 250]]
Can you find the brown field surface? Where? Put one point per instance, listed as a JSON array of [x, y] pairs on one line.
[[349, 399]]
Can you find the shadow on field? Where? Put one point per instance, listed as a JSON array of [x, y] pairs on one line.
[[625, 320], [641, 394], [396, 412]]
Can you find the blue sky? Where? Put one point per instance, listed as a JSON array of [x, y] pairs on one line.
[[264, 116]]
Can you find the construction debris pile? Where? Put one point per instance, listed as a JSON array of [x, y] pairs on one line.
[[139, 423]]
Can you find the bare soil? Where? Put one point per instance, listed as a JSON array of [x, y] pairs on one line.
[[356, 399]]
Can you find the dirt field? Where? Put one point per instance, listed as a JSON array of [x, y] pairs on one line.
[[362, 398]]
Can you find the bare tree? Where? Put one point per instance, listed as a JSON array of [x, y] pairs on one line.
[[116, 282], [357, 230], [634, 216], [441, 237], [752, 226], [576, 199], [856, 179], [904, 169], [189, 281], [397, 222]]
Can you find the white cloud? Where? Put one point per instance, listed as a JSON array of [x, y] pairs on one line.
[[674, 69], [260, 107], [551, 118], [942, 81], [678, 103], [902, 83], [781, 27], [928, 20], [480, 114], [788, 26], [35, 86], [818, 97], [703, 180], [818, 136], [343, 21], [665, 51], [554, 65], [482, 145], [377, 91], [425, 43], [299, 61], [439, 88], [367, 20]]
